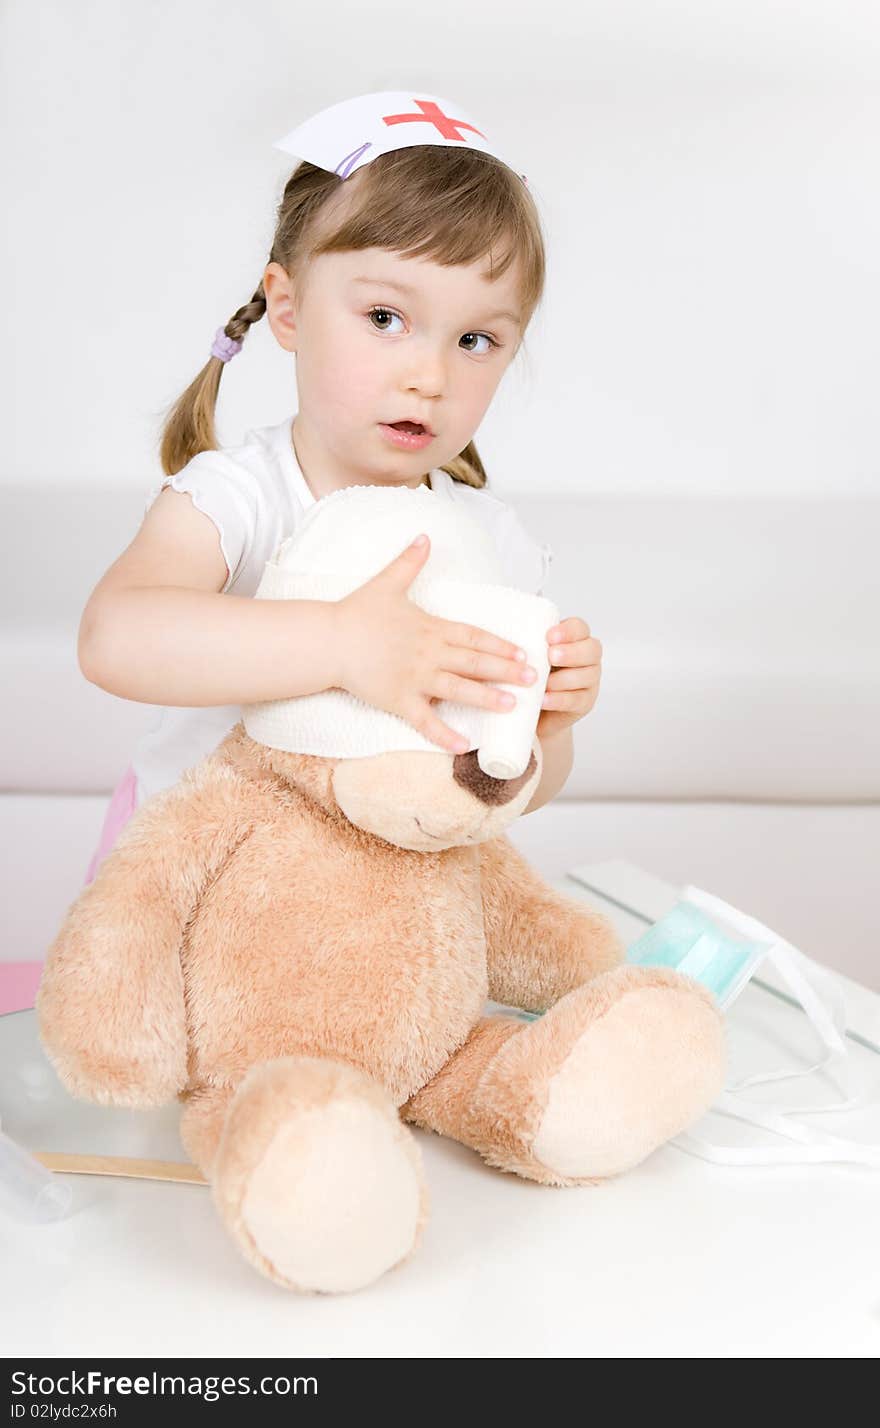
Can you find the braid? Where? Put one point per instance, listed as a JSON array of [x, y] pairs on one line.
[[189, 427], [240, 322]]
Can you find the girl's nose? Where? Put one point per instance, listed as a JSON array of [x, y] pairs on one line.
[[425, 388], [427, 374]]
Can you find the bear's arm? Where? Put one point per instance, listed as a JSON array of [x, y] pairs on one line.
[[110, 1004], [539, 943]]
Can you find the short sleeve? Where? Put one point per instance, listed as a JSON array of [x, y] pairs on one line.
[[526, 561], [223, 491]]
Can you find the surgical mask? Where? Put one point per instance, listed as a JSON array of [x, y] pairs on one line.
[[694, 938], [688, 941]]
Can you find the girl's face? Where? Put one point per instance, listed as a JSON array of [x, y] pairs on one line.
[[380, 338]]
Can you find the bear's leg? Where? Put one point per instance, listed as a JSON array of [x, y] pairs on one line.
[[201, 1124], [313, 1173], [613, 1070]]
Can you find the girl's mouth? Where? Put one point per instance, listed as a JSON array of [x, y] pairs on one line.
[[406, 434]]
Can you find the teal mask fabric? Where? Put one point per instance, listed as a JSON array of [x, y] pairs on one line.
[[689, 941]]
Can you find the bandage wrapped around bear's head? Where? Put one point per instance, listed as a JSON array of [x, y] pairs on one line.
[[343, 541]]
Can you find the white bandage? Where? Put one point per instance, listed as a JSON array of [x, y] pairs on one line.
[[344, 540]]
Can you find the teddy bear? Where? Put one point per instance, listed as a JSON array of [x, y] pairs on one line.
[[298, 945]]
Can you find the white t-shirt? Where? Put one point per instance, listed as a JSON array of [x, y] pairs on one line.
[[256, 495]]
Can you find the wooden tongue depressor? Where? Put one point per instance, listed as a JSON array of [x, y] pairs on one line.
[[181, 1172]]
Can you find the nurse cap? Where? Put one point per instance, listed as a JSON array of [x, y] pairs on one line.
[[355, 131], [343, 541]]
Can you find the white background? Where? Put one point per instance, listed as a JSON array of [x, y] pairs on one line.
[[706, 174]]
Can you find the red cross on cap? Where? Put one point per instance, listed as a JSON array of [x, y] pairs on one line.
[[433, 114]]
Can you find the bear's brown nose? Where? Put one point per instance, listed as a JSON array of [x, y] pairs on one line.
[[491, 791]]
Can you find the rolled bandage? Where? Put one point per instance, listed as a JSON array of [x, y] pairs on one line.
[[503, 738], [347, 538]]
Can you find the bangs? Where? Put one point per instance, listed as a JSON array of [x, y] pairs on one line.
[[451, 206]]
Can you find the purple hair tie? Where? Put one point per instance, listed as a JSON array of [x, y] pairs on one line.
[[224, 347]]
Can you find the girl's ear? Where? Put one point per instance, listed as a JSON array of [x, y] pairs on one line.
[[280, 311]]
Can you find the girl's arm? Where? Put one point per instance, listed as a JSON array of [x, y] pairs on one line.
[[558, 752], [156, 628]]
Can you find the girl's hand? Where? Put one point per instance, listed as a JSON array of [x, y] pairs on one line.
[[395, 656], [573, 689]]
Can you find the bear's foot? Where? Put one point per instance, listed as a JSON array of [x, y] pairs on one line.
[[610, 1073], [316, 1177]]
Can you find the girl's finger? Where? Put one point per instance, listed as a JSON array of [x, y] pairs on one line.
[[470, 691], [585, 677], [574, 703], [427, 723], [562, 702], [471, 637], [572, 628], [577, 652], [477, 664]]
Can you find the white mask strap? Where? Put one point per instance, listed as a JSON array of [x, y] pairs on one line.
[[823, 1003]]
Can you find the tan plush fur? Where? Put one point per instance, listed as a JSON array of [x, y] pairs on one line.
[[299, 950]]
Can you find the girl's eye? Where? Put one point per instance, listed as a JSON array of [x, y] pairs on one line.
[[387, 312], [491, 341]]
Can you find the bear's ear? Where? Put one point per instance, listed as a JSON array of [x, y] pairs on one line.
[[314, 775], [258, 764]]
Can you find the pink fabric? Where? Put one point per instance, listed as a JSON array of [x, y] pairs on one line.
[[18, 985], [19, 980], [121, 807]]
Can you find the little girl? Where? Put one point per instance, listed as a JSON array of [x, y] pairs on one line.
[[404, 291]]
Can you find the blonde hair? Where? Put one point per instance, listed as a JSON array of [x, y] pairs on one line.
[[428, 201]]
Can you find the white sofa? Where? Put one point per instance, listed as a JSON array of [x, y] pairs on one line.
[[734, 744]]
